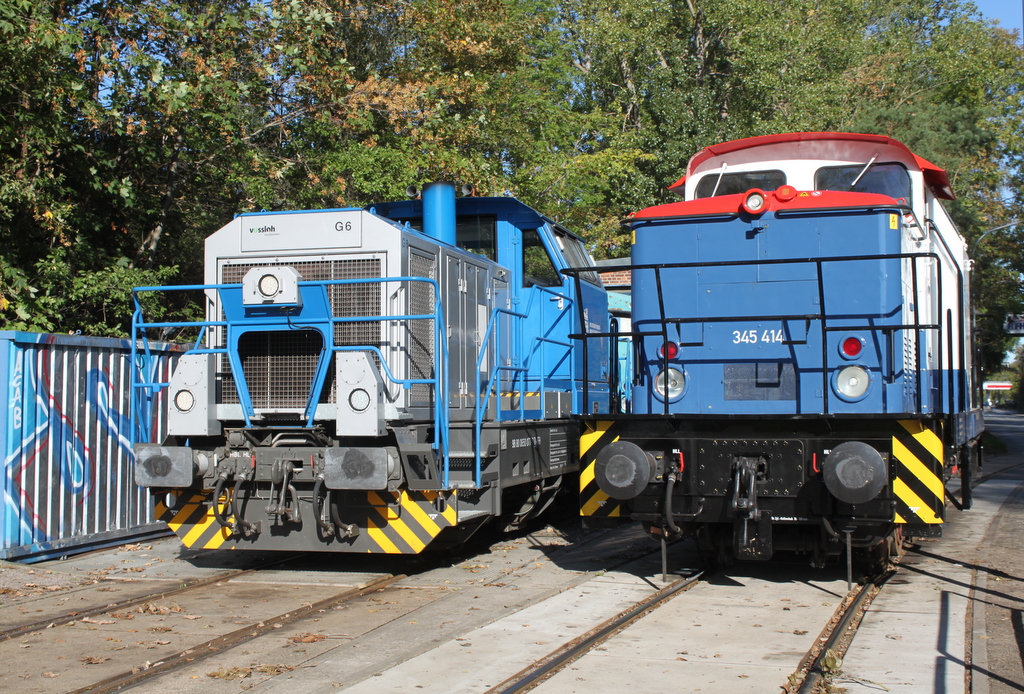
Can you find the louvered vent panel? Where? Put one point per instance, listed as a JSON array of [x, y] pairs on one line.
[[279, 367], [421, 332]]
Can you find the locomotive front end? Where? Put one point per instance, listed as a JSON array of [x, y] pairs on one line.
[[803, 368]]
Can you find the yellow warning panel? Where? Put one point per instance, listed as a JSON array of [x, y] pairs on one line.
[[593, 501], [918, 487]]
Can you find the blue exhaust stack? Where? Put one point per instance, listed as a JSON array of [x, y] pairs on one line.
[[439, 212]]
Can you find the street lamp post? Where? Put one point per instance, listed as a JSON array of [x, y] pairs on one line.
[[974, 309], [985, 233]]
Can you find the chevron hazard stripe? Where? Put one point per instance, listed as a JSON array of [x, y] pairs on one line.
[[396, 522], [406, 522], [192, 520], [594, 502], [918, 487]]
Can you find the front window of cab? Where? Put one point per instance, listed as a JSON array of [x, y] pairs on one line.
[[715, 184], [538, 268], [886, 179], [576, 254]]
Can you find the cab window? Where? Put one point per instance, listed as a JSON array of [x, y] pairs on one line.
[[538, 269], [576, 255], [739, 182], [475, 233], [887, 179]]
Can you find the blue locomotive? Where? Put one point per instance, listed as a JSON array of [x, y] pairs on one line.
[[381, 380], [802, 348]]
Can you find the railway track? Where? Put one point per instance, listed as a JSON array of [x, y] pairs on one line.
[[821, 659], [552, 663], [825, 656], [129, 602], [266, 620], [220, 644]]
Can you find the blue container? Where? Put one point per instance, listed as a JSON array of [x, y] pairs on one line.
[[68, 481]]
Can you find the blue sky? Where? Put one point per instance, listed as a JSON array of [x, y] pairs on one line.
[[1008, 12]]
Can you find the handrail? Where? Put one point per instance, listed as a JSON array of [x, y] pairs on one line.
[[522, 372], [481, 400], [441, 399], [821, 315]]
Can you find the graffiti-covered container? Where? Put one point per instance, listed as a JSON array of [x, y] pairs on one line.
[[66, 438]]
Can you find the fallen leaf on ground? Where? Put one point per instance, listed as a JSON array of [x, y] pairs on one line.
[[307, 638]]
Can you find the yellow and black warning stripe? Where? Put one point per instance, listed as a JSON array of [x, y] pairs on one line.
[[918, 487], [593, 501], [193, 521], [395, 522], [406, 522]]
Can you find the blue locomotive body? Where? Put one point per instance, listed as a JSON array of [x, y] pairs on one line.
[[385, 379], [803, 356]]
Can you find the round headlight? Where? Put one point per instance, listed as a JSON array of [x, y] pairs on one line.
[[269, 285], [359, 400], [670, 383], [852, 382], [753, 202], [184, 400]]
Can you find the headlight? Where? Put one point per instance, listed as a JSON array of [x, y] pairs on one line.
[[359, 400], [269, 285], [852, 382], [184, 400], [753, 201], [670, 383]]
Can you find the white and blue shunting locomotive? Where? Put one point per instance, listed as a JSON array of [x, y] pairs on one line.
[[802, 349], [380, 380]]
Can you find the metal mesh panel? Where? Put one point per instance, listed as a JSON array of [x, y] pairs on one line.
[[354, 300], [421, 332], [284, 368], [279, 366]]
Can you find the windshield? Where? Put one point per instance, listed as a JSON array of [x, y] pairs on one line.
[[887, 179], [739, 182], [576, 255]]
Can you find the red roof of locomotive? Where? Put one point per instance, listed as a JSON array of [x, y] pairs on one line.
[[934, 176]]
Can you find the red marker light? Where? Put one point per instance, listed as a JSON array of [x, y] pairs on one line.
[[669, 350], [852, 347]]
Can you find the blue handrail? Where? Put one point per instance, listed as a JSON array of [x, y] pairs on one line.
[[522, 372], [141, 385]]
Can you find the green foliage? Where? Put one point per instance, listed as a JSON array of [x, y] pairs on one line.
[[135, 129]]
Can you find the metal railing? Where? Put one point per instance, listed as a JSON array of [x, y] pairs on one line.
[[521, 372], [821, 317], [438, 382]]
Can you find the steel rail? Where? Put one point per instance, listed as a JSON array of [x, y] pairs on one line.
[[835, 633], [218, 645], [556, 660], [184, 587]]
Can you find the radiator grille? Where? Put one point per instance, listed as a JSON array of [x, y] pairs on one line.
[[421, 332], [283, 364], [279, 366]]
